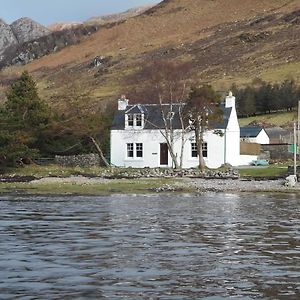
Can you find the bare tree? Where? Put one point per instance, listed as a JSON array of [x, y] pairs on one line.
[[202, 110], [85, 118], [165, 83]]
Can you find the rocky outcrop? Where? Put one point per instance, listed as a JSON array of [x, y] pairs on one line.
[[7, 37], [24, 53], [19, 32], [26, 30]]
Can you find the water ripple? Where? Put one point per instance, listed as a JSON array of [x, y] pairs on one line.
[[154, 247]]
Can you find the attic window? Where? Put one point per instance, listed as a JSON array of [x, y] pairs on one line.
[[170, 115], [130, 120], [134, 120], [138, 120]]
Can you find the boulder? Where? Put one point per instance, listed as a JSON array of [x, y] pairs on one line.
[[291, 181]]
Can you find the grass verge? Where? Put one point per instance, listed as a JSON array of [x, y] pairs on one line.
[[270, 171], [124, 186]]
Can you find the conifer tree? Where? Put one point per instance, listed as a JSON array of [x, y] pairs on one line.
[[23, 119]]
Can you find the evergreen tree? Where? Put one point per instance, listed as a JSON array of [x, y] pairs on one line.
[[24, 119], [289, 94]]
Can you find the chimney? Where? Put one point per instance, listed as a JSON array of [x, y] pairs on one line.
[[122, 103], [230, 100]]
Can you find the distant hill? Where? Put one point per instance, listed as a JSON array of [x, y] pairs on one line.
[[120, 16], [226, 42], [64, 25]]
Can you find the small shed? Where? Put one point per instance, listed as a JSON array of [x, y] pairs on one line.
[[256, 135]]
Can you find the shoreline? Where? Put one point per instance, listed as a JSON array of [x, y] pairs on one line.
[[81, 185]]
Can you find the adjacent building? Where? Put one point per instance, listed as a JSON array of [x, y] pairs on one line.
[[255, 134]]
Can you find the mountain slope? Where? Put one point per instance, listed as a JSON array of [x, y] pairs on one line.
[[227, 42]]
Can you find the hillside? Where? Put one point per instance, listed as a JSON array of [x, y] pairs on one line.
[[227, 42]]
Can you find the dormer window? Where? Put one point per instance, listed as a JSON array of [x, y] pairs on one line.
[[134, 117], [130, 120], [134, 120], [138, 120]]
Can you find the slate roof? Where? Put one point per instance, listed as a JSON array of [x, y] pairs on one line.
[[153, 117], [250, 132]]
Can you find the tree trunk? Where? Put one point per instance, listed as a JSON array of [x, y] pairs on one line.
[[97, 146], [199, 143]]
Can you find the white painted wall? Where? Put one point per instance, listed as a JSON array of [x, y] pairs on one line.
[[232, 134], [221, 149], [151, 140]]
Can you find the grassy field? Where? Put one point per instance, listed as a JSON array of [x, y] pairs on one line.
[[269, 171], [275, 119], [57, 171]]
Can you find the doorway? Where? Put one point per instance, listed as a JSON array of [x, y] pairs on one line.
[[164, 154]]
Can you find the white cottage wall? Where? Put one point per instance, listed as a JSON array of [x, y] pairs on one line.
[[151, 140], [232, 135], [221, 149]]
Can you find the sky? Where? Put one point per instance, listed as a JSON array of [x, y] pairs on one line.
[[51, 11]]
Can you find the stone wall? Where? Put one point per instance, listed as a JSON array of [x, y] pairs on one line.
[[86, 160]]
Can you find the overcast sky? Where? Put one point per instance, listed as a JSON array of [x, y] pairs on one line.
[[50, 11]]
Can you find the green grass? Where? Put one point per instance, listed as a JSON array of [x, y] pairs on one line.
[[270, 171], [127, 186], [285, 71], [277, 119], [54, 170]]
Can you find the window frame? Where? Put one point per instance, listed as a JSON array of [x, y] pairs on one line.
[[194, 151], [130, 120], [130, 150], [204, 149], [138, 120], [139, 150]]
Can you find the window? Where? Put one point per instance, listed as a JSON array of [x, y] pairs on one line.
[[134, 150], [130, 120], [139, 149], [194, 150], [138, 120], [204, 149], [130, 150], [170, 115]]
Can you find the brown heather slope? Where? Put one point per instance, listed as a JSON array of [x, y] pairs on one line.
[[227, 42]]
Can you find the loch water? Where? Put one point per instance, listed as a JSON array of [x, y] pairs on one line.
[[211, 246]]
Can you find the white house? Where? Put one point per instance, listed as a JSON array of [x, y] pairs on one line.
[[137, 140], [256, 135]]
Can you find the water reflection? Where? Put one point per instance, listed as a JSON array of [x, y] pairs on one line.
[[153, 247]]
